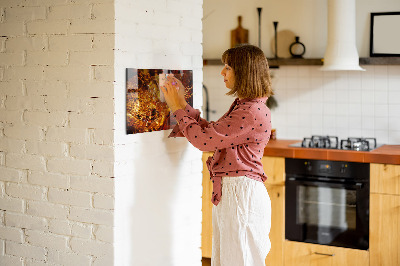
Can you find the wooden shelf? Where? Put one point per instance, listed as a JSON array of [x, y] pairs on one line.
[[274, 63]]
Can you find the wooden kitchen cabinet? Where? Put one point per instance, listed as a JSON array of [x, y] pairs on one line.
[[274, 168], [384, 237], [305, 254], [206, 225]]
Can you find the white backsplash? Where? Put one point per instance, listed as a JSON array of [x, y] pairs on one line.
[[314, 102]]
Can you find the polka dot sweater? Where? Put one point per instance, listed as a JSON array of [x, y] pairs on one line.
[[238, 139]]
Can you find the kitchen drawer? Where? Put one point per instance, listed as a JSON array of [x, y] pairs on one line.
[[305, 254], [274, 168], [385, 178]]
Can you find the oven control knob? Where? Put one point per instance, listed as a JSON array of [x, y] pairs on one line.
[[343, 168]]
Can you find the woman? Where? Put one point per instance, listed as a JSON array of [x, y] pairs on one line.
[[242, 208]]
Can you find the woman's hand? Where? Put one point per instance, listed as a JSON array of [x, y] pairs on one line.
[[174, 93]]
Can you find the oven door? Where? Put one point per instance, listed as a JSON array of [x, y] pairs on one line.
[[327, 213]]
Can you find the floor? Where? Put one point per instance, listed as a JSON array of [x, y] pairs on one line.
[[206, 261]]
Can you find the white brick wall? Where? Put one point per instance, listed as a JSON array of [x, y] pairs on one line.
[[156, 177], [56, 132]]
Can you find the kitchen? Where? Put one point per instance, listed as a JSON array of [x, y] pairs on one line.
[[313, 104]]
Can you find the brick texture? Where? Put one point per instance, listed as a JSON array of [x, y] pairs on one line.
[[56, 125]]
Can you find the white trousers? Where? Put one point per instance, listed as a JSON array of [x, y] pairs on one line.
[[241, 223]]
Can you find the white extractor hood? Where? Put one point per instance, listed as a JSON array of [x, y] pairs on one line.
[[341, 51]]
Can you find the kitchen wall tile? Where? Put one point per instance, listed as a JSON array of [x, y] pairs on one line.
[[394, 137], [381, 110], [394, 110], [381, 136], [325, 97]]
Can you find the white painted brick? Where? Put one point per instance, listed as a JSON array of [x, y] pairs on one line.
[[25, 103], [56, 103], [103, 11], [82, 230], [104, 169], [69, 166], [46, 209], [69, 197], [3, 44], [92, 151], [21, 43], [102, 136], [25, 250], [105, 260], [74, 135], [46, 148], [11, 88], [46, 27], [12, 145], [103, 41], [91, 26], [12, 29], [32, 262], [46, 240], [12, 234], [48, 179], [60, 227], [25, 221], [71, 42], [104, 233], [81, 73], [24, 73], [104, 73], [103, 202], [91, 89], [68, 258], [91, 58], [47, 58], [11, 59], [46, 88], [93, 184], [91, 247], [24, 13], [12, 204], [70, 12], [26, 161], [46, 2], [12, 117], [25, 191], [11, 260], [46, 118], [98, 120], [24, 132], [94, 216]]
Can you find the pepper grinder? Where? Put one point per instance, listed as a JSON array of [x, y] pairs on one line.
[[259, 26], [276, 38]]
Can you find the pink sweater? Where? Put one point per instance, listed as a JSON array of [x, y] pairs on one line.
[[238, 139]]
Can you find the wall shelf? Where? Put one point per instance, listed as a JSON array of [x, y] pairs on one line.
[[274, 63]]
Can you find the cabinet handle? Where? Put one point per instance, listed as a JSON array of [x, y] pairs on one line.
[[324, 254]]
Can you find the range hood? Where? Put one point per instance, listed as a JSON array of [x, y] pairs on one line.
[[341, 51]]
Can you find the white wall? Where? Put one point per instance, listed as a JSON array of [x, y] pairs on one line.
[[344, 103], [158, 180], [56, 132]]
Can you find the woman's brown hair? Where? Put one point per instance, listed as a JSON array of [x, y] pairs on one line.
[[250, 66]]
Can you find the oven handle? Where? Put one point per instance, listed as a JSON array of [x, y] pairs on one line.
[[357, 185]]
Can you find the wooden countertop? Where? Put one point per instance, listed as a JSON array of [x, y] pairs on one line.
[[389, 154]]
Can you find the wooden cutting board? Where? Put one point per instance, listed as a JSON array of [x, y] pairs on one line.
[[239, 35]]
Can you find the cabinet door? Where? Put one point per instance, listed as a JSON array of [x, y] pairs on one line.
[[274, 168], [206, 226], [384, 237], [277, 233], [385, 178], [304, 254]]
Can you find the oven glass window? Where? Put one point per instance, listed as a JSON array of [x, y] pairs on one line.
[[326, 207]]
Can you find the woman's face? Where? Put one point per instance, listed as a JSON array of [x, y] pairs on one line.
[[229, 76]]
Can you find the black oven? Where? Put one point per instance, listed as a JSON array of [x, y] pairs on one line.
[[327, 202]]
